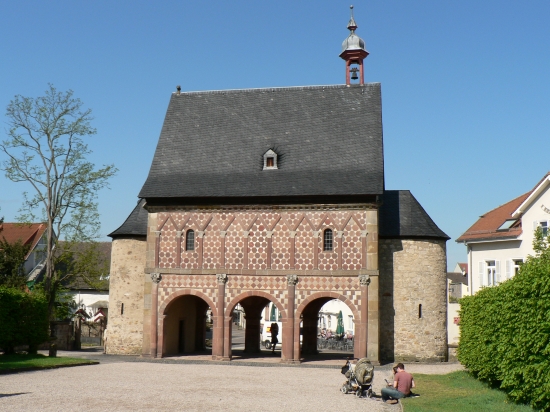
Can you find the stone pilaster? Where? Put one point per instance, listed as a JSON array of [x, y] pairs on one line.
[[219, 325], [288, 331], [156, 278]]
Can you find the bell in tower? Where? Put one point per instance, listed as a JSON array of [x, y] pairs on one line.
[[353, 52]]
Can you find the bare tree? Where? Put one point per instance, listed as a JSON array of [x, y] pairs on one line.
[[45, 149]]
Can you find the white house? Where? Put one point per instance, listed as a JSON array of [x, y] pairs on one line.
[[500, 241], [457, 287]]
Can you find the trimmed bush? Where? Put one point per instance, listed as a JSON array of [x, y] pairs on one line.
[[23, 319], [505, 332]]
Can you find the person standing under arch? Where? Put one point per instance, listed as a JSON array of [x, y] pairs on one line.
[[274, 332]]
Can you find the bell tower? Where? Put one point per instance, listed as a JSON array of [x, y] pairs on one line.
[[354, 52]]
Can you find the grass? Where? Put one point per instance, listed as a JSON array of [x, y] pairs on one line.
[[457, 392], [21, 362]]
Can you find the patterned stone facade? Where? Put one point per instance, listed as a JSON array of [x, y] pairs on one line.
[[413, 300], [126, 297]]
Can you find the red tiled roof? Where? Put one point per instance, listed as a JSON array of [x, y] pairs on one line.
[[27, 233], [464, 267], [487, 225]]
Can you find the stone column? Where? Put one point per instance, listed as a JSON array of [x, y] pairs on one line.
[[288, 331], [219, 324], [156, 278], [360, 350], [373, 352]]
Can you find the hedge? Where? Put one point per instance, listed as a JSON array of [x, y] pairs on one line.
[[505, 333], [23, 319]]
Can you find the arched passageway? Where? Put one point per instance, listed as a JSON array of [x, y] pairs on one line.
[[330, 332], [254, 307], [184, 326]]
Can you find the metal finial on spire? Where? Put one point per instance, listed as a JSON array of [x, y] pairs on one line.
[[352, 26]]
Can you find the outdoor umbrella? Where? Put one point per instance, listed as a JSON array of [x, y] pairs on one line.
[[340, 327], [272, 315]]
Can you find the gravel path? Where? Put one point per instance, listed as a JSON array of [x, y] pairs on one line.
[[141, 386]]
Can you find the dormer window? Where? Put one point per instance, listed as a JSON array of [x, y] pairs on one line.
[[270, 160]]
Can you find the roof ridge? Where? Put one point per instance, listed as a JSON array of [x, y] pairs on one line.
[[273, 89], [506, 203]]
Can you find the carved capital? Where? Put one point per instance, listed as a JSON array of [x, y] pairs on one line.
[[157, 233], [156, 277], [200, 233], [364, 233], [178, 233], [269, 233], [340, 234], [246, 233], [364, 280], [221, 278], [223, 233], [292, 233], [316, 234], [292, 280]]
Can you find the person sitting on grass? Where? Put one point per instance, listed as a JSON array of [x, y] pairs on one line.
[[402, 384]]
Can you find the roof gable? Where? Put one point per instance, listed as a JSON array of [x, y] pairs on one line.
[[135, 224], [28, 233], [328, 141], [541, 187]]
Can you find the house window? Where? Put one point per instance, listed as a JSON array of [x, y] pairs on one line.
[[327, 240], [544, 228], [190, 240], [516, 264], [491, 273], [270, 160]]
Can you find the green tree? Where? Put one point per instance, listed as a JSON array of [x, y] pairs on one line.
[[45, 149], [12, 258]]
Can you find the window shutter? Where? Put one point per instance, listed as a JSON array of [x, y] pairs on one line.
[[481, 274], [497, 271], [508, 269]]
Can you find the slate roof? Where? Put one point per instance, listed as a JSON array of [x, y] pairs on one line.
[[486, 227], [328, 140], [401, 216], [455, 277], [29, 234], [135, 224]]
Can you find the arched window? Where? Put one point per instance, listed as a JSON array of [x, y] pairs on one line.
[[190, 240], [327, 240]]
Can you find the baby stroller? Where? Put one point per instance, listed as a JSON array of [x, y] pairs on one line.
[[359, 377]]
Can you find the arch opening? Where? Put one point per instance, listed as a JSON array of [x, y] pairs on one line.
[[187, 327], [327, 326]]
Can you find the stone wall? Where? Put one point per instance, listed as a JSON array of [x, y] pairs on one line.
[[413, 302], [126, 296]]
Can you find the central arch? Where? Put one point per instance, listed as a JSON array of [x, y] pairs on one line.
[[253, 303]]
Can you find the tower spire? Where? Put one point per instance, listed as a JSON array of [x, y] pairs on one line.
[[353, 52]]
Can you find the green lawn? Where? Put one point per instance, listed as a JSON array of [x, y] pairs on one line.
[[10, 363], [457, 392]]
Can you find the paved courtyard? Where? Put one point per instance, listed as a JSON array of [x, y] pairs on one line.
[[121, 385]]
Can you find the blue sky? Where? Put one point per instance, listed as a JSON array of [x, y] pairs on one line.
[[465, 85]]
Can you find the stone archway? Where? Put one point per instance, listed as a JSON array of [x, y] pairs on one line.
[[182, 326], [307, 313], [253, 303]]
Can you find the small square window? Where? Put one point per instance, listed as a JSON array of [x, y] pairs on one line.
[[270, 160]]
